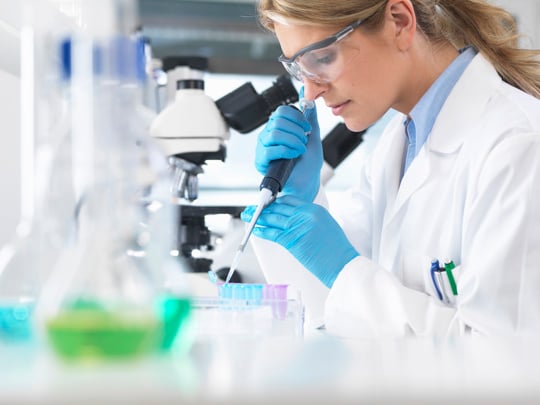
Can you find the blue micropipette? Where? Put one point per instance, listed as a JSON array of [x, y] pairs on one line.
[[276, 176]]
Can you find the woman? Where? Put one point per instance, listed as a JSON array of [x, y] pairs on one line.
[[454, 177]]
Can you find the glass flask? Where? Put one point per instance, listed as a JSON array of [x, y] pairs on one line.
[[47, 194], [116, 291]]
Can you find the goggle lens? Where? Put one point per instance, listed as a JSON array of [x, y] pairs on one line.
[[320, 65], [320, 62]]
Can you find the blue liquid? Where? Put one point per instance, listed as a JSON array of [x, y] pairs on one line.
[[245, 295], [15, 321]]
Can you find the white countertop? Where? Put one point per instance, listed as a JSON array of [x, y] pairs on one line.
[[317, 369]]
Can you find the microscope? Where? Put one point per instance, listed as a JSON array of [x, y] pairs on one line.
[[193, 129]]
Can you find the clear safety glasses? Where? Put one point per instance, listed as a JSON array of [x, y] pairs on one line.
[[320, 62]]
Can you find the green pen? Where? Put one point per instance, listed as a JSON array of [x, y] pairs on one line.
[[448, 267]]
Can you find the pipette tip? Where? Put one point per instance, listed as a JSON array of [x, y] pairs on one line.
[[234, 264], [265, 198]]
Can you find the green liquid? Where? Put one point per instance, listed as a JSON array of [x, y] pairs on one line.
[[174, 313], [86, 330], [94, 333]]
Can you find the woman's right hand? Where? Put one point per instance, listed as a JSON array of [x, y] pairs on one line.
[[291, 134]]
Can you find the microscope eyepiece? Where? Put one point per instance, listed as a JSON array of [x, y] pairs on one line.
[[244, 109], [281, 92]]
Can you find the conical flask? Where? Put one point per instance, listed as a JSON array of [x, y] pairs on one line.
[[47, 194], [116, 291]]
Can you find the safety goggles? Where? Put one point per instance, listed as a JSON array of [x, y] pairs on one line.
[[320, 62]]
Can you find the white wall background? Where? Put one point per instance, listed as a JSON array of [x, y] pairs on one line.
[[527, 13]]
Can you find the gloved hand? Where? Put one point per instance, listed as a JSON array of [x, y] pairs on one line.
[[284, 137], [309, 232]]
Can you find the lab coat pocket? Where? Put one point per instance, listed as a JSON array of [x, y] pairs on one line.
[[415, 271]]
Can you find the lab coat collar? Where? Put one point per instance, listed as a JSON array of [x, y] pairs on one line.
[[467, 100]]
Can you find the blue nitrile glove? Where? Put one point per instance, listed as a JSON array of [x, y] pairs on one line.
[[285, 137], [309, 232]]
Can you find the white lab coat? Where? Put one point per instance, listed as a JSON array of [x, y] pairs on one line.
[[471, 195]]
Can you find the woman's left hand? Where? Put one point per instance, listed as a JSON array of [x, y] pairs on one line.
[[309, 232]]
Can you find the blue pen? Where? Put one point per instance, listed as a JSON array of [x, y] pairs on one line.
[[433, 270]]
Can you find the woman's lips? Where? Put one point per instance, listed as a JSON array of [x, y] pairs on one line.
[[338, 108]]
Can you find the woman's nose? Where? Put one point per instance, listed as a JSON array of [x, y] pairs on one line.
[[313, 90]]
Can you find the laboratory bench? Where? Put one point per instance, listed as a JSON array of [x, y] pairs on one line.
[[314, 369]]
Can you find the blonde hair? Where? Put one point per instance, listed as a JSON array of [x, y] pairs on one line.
[[490, 29]]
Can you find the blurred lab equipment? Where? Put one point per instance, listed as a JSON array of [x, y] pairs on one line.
[[193, 129], [47, 192], [115, 290]]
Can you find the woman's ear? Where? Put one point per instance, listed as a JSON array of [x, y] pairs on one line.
[[401, 15]]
